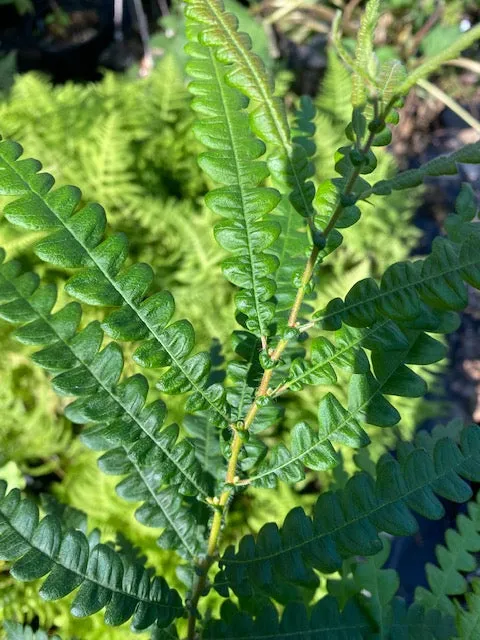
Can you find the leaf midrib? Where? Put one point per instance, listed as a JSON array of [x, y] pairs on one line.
[[332, 358], [227, 115], [171, 522], [389, 292]]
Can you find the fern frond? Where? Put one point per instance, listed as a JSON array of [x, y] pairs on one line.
[[445, 165], [364, 52], [106, 578], [324, 619], [415, 297], [347, 522], [319, 368], [367, 404], [333, 99], [433, 63], [16, 631], [455, 558], [233, 162], [468, 618], [130, 431], [289, 163], [374, 588], [33, 435], [413, 294], [78, 240], [104, 162]]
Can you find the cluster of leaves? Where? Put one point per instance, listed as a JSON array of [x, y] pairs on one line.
[[120, 149], [272, 207]]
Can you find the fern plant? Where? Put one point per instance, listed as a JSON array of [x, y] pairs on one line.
[[278, 225]]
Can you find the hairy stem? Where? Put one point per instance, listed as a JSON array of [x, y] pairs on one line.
[[237, 446]]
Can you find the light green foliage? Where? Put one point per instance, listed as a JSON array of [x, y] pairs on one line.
[[364, 52], [27, 401], [468, 619], [281, 212], [375, 589], [434, 62], [455, 558], [16, 631]]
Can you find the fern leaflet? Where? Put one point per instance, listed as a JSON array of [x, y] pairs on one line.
[[132, 432], [232, 161], [106, 578], [347, 522], [77, 241], [455, 557]]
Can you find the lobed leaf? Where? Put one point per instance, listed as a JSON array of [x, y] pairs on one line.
[[347, 522], [232, 160], [454, 558], [132, 433], [104, 577], [288, 157]]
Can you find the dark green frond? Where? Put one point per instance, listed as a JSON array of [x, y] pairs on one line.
[[347, 522], [323, 620], [445, 165], [105, 577], [415, 295]]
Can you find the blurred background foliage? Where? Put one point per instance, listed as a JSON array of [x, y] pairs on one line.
[[126, 141]]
